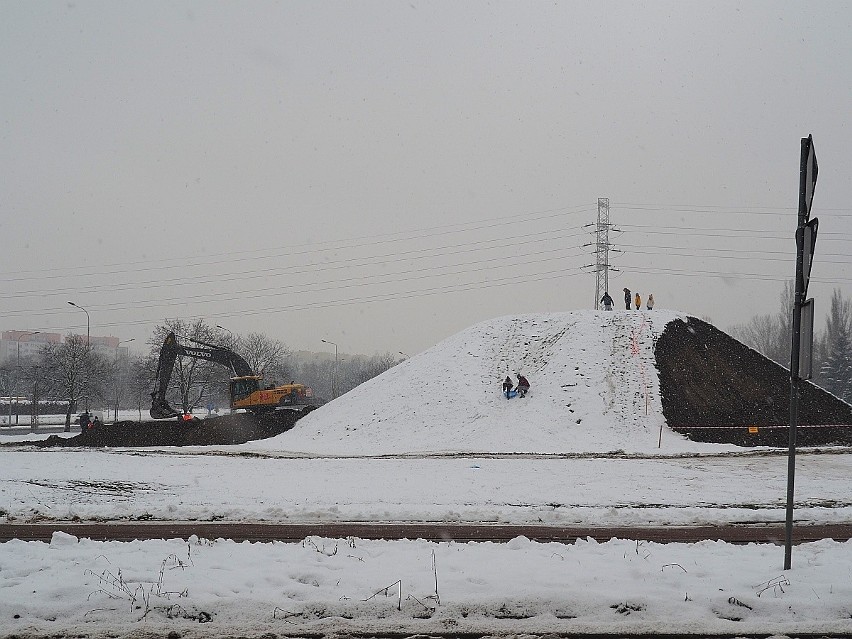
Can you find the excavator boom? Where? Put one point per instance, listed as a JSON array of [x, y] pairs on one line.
[[160, 407]]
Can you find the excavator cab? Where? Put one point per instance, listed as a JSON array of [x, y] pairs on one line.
[[243, 387]]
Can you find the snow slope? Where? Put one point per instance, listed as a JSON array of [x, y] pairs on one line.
[[594, 389]]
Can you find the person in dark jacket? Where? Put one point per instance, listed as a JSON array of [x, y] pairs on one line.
[[507, 386], [606, 300], [523, 386], [627, 299]]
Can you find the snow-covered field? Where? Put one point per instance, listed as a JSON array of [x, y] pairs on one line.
[[433, 440]]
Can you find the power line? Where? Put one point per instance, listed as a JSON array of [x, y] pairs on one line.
[[284, 251], [336, 284], [465, 269], [732, 210], [738, 231], [751, 256], [720, 274], [289, 271], [450, 288]]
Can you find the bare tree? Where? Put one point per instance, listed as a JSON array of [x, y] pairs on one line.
[[316, 373], [37, 378], [771, 335], [265, 355], [760, 333], [192, 378], [358, 369], [73, 371], [785, 322], [6, 384], [140, 380]]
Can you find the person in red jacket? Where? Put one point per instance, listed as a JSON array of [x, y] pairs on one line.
[[523, 386]]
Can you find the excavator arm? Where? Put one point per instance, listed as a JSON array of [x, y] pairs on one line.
[[160, 407]]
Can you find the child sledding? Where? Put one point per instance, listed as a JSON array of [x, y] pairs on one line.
[[511, 390]]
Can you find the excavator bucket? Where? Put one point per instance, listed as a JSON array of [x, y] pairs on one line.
[[161, 409]]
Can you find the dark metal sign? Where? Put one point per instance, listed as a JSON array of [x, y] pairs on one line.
[[806, 341], [806, 237], [808, 177]]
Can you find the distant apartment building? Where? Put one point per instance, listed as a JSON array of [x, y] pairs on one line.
[[23, 344]]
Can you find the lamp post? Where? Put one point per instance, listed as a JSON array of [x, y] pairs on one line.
[[88, 338], [34, 417], [18, 373], [334, 376], [230, 332], [118, 386], [9, 390]]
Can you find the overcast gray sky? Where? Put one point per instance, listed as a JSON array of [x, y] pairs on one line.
[[385, 174]]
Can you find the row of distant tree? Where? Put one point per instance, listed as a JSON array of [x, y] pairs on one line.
[[77, 377], [771, 335]]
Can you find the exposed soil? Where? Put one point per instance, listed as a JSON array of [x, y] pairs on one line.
[[710, 381], [227, 429]]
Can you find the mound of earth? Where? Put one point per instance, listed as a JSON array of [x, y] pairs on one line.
[[224, 430], [710, 380]]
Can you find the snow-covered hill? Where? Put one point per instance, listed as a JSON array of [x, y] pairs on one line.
[[594, 389]]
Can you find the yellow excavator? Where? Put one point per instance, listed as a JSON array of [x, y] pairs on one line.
[[245, 388]]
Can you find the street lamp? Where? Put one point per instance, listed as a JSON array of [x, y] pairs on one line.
[[88, 338], [230, 332], [18, 373], [118, 386], [334, 377], [34, 418]]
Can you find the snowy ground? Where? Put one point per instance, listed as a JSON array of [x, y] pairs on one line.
[[434, 440]]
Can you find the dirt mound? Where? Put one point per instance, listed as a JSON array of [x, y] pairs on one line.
[[227, 429], [710, 380]]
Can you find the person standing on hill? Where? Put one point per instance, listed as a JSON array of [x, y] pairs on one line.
[[606, 300], [650, 302], [627, 298], [507, 386], [638, 301]]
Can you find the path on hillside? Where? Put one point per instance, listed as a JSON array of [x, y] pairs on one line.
[[261, 532], [527, 347], [630, 381]]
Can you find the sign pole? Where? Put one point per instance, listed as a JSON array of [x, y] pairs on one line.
[[807, 182]]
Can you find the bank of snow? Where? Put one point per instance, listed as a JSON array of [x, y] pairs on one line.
[[200, 588], [594, 389]]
